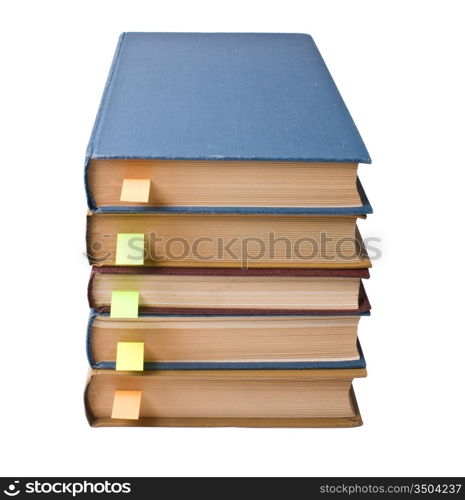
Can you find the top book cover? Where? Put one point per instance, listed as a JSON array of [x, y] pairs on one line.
[[223, 96], [178, 106]]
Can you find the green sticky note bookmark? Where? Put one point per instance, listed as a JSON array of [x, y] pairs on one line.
[[130, 356], [124, 305], [130, 249]]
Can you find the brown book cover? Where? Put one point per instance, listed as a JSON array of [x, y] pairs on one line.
[[196, 240], [102, 383]]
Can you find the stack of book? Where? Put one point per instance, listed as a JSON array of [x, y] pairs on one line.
[[226, 286]]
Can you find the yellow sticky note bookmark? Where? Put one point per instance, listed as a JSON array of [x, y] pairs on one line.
[[124, 304], [126, 404], [130, 249], [137, 190], [130, 356]]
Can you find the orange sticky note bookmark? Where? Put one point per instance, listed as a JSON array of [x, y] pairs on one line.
[[136, 190], [126, 405]]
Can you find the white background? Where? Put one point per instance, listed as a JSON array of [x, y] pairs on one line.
[[399, 66]]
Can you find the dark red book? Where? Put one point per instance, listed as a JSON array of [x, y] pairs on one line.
[[226, 291]]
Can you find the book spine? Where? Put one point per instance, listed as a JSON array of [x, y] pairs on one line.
[[89, 289], [90, 357]]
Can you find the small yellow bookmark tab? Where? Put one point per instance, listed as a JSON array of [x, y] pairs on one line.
[[130, 249], [130, 356], [137, 190], [124, 304], [126, 404]]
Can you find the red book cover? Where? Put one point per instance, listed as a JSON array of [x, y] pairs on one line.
[[363, 305]]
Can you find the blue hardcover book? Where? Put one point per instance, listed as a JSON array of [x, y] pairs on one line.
[[219, 342], [223, 122]]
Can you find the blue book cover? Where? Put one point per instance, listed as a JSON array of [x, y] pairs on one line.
[[223, 365], [220, 97]]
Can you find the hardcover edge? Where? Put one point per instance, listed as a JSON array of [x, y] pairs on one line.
[[362, 273]]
